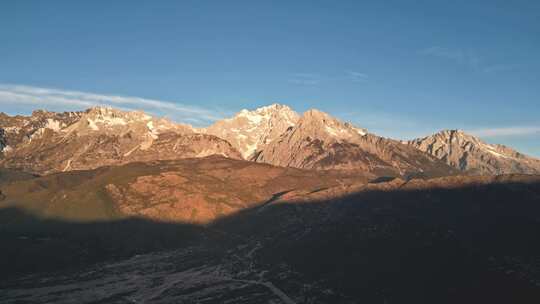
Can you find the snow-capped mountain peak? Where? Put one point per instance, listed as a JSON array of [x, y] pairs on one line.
[[274, 134], [324, 126], [113, 121], [248, 130], [321, 141]]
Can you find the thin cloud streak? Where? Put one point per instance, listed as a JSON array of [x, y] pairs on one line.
[[44, 97], [307, 79], [501, 68], [507, 131], [357, 76], [461, 56], [469, 58]]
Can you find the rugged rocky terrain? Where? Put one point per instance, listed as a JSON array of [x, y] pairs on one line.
[[14, 130], [50, 142], [249, 131], [195, 190], [319, 141], [107, 206], [470, 154]]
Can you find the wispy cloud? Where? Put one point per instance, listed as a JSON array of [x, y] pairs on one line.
[[501, 68], [307, 79], [468, 57], [313, 79], [357, 76], [461, 56], [506, 131], [47, 98]]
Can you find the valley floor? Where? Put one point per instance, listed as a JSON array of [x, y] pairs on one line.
[[191, 275]]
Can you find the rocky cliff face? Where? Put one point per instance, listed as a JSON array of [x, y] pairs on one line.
[[319, 141], [3, 141], [15, 130], [249, 131], [50, 142], [468, 153]]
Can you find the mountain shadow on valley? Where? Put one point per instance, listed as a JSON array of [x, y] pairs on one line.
[[443, 244], [31, 244]]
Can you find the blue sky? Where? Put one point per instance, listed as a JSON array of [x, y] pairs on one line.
[[399, 68]]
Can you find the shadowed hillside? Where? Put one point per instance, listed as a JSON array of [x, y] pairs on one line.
[[31, 244], [446, 243], [450, 240]]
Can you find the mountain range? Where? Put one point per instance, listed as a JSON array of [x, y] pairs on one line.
[[268, 206], [47, 142]]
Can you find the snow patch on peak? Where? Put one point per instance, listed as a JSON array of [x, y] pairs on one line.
[[493, 150], [362, 132], [6, 149], [248, 130], [252, 117], [154, 133], [111, 116], [144, 116], [111, 121], [54, 125], [92, 125], [249, 149], [273, 108], [100, 110], [332, 131], [497, 154]]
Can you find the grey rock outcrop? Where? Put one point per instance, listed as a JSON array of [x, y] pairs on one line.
[[319, 141], [468, 153]]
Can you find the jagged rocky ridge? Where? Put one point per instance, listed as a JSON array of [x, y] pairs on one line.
[[250, 131], [469, 154], [319, 141], [48, 142], [51, 142]]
